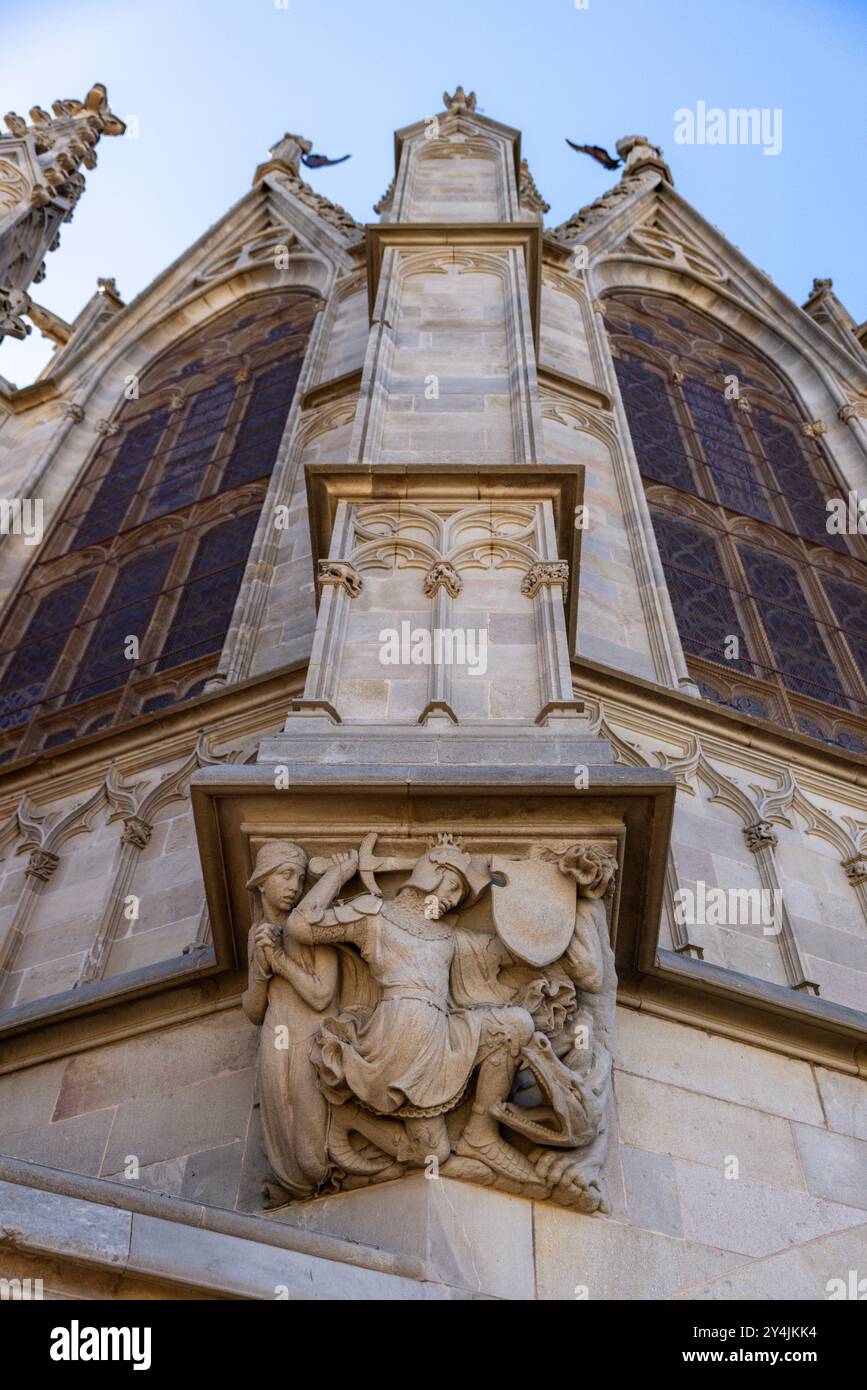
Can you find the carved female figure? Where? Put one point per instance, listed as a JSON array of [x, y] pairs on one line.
[[291, 985]]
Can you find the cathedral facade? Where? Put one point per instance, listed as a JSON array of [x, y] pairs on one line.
[[433, 748]]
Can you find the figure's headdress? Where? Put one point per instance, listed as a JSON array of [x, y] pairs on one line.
[[445, 852], [274, 855]]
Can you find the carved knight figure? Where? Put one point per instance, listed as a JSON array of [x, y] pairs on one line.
[[484, 1053]]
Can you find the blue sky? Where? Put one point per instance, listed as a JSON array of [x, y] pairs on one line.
[[213, 83]]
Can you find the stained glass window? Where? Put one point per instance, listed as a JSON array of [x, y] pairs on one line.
[[803, 660], [712, 418], [655, 435], [154, 540], [703, 602], [725, 450], [208, 596]]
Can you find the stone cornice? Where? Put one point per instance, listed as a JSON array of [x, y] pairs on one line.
[[339, 386], [21, 399], [249, 707], [742, 730], [573, 388], [750, 1010]]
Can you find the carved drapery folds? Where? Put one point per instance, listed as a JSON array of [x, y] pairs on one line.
[[414, 1037]]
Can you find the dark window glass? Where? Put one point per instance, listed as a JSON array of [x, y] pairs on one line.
[[803, 660], [127, 613], [262, 427], [31, 665], [795, 480], [208, 420], [188, 459], [120, 483], [655, 435], [733, 471], [205, 608], [702, 600], [850, 605]]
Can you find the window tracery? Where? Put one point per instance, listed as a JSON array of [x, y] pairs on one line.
[[738, 493], [153, 541]]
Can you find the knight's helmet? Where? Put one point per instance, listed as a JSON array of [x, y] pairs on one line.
[[274, 855], [446, 853]]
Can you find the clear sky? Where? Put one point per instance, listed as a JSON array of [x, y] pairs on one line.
[[213, 83]]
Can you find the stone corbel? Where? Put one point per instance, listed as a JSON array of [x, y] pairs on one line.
[[443, 576], [341, 574], [41, 864], [856, 870], [545, 574], [136, 832], [760, 836]]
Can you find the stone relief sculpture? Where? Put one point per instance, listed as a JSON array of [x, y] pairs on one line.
[[394, 1038]]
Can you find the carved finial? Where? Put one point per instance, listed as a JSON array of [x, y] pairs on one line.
[[40, 185], [638, 154], [460, 101], [528, 194], [289, 149]]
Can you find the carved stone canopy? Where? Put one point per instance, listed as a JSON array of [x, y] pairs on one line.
[[562, 485]]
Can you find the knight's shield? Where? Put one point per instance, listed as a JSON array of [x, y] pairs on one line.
[[534, 910]]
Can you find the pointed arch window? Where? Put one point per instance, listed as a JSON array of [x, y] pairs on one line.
[[738, 493], [153, 541]]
